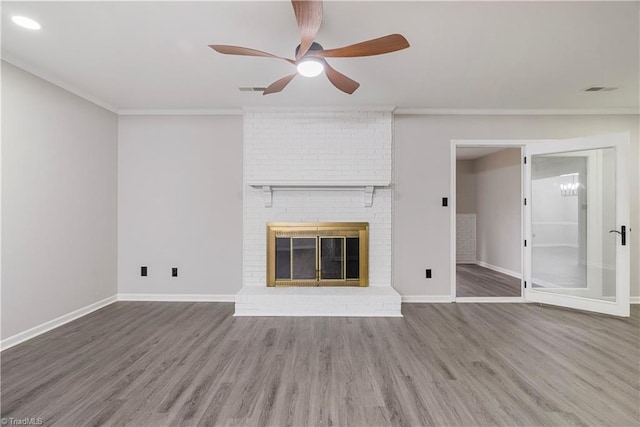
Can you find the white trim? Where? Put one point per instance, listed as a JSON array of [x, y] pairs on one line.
[[328, 109], [499, 269], [52, 324], [515, 111], [306, 185], [507, 143], [395, 111], [268, 188], [181, 112], [634, 300], [57, 82], [178, 297], [490, 299], [426, 299]]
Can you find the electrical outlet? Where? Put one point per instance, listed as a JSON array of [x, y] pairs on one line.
[[143, 271], [428, 273], [174, 272]]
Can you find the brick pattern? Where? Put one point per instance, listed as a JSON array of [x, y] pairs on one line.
[[317, 147], [348, 146], [465, 238]]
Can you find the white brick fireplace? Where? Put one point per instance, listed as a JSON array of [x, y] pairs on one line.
[[317, 166]]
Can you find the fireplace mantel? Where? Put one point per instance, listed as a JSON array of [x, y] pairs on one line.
[[268, 187]]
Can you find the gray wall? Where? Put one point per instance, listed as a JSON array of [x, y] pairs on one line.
[[59, 166], [497, 183], [422, 166], [180, 204], [465, 187]]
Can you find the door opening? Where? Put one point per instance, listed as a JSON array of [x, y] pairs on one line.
[[487, 213]]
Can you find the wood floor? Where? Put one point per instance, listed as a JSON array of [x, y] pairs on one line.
[[475, 281], [155, 364]]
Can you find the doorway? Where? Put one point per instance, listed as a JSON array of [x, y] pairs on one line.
[[488, 223]]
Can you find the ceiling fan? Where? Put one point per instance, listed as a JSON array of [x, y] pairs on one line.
[[310, 56]]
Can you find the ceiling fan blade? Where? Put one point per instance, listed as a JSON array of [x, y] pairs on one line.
[[339, 80], [309, 18], [386, 44], [245, 51], [278, 85]]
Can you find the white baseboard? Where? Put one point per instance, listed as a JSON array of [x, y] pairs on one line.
[[427, 298], [178, 297], [52, 324], [499, 269]]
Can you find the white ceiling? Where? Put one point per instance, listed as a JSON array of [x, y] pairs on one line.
[[463, 55]]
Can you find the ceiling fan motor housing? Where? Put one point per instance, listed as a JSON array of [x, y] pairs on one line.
[[314, 46]]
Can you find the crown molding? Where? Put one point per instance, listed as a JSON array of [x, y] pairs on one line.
[[516, 111], [393, 110], [327, 109], [183, 112], [57, 82]]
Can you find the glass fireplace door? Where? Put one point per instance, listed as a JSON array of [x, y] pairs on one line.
[[323, 255], [331, 258]]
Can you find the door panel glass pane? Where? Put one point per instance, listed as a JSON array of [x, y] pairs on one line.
[[572, 211], [304, 258], [283, 258], [331, 258]]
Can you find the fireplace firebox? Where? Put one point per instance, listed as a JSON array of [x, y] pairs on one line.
[[318, 254]]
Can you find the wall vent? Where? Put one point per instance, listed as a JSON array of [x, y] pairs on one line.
[[600, 89], [252, 89]]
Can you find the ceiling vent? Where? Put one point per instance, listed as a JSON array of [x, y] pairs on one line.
[[252, 89], [600, 89]]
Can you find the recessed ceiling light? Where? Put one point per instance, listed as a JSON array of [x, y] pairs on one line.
[[25, 22]]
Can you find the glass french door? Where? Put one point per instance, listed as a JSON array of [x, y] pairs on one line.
[[577, 234]]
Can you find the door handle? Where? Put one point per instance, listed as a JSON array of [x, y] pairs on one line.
[[622, 233]]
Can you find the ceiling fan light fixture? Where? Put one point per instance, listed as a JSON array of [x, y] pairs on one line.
[[310, 67]]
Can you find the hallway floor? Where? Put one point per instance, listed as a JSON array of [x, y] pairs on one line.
[[475, 281]]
